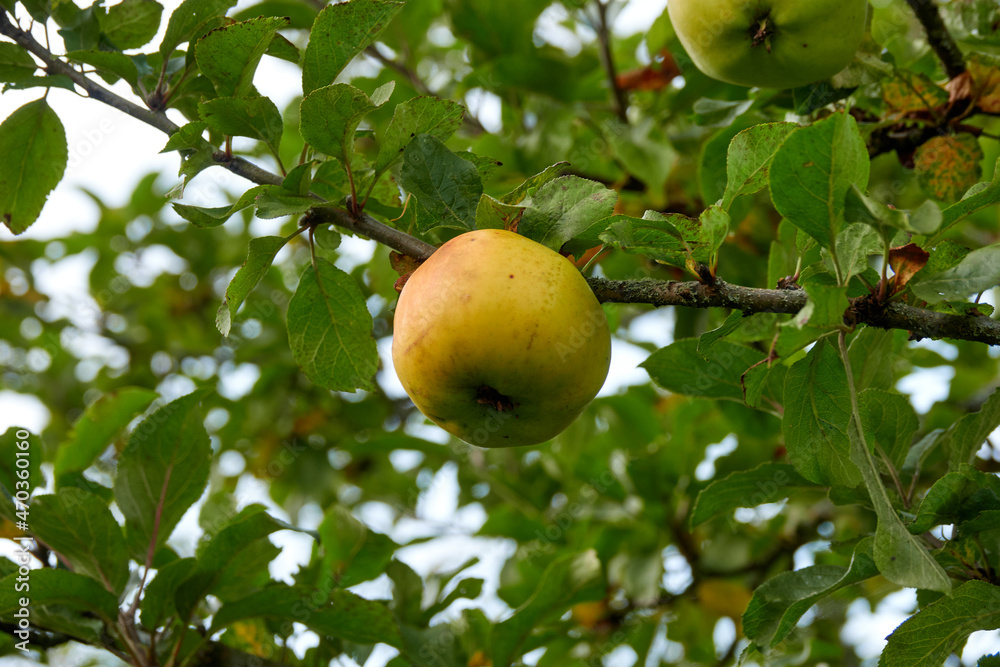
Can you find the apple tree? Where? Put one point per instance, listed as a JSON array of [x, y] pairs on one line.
[[799, 282]]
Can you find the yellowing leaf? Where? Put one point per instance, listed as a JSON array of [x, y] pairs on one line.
[[948, 166], [986, 84], [726, 598], [909, 92]]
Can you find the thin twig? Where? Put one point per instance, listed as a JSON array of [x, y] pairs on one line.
[[471, 123], [604, 37]]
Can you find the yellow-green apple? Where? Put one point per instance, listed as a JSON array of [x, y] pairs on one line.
[[769, 43], [499, 340]]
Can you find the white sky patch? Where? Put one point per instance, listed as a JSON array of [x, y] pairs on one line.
[[655, 326], [867, 630], [486, 107], [927, 386], [23, 411], [625, 371]]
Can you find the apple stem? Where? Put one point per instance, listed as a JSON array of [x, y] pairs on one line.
[[761, 32]]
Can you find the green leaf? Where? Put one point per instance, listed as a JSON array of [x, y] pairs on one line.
[[957, 497], [158, 599], [188, 137], [191, 20], [446, 185], [79, 526], [767, 483], [98, 426], [254, 117], [494, 214], [16, 444], [562, 580], [432, 116], [326, 238], [644, 151], [407, 592], [162, 472], [15, 63], [330, 330], [779, 603], [855, 243], [351, 552], [964, 438], [900, 557], [918, 453], [80, 625], [824, 310], [978, 197], [229, 56], [302, 15], [871, 355], [885, 219], [33, 146], [710, 338], [223, 553], [890, 423], [260, 256], [283, 49], [339, 33], [927, 638], [299, 178], [679, 368], [466, 589], [564, 207], [486, 166], [58, 587], [206, 218], [530, 186], [668, 238], [131, 23], [812, 172], [749, 159], [976, 272], [987, 520], [713, 229], [274, 201], [817, 413], [329, 117], [712, 160], [49, 81], [111, 65], [344, 615]]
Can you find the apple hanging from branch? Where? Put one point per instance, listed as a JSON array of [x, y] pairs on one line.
[[769, 43], [499, 340]]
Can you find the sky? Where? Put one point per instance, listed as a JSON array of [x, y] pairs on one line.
[[109, 152]]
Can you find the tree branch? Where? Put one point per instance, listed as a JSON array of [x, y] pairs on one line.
[[365, 225], [920, 322], [938, 36], [96, 91], [604, 37]]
